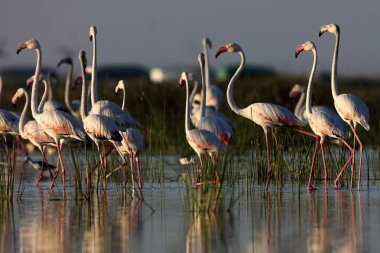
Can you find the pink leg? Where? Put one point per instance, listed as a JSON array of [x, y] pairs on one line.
[[138, 171], [56, 175], [62, 165], [310, 185], [132, 171], [268, 162], [42, 165], [360, 154], [345, 165]]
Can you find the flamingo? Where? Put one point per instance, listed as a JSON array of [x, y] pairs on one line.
[[214, 96], [322, 122], [349, 107], [100, 128], [57, 124], [105, 107], [201, 140], [51, 104], [74, 105], [30, 130], [266, 115], [220, 127]]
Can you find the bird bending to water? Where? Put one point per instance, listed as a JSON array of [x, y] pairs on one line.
[[322, 122], [266, 115], [349, 107]]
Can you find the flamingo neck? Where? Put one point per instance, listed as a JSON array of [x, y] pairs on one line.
[[50, 90], [94, 79], [123, 104], [203, 93], [83, 101], [187, 114], [207, 69], [35, 112], [231, 84], [44, 96], [334, 67], [22, 120], [310, 84], [69, 76], [300, 104]]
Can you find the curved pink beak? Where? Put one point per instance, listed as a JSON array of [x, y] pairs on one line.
[[181, 82], [20, 47], [294, 94], [299, 49], [221, 50], [29, 81]]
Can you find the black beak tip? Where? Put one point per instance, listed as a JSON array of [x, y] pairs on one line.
[[320, 34]]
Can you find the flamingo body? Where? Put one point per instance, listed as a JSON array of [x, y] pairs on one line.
[[352, 109]]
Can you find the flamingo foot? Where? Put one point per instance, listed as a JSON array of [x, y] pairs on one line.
[[336, 184], [311, 187]]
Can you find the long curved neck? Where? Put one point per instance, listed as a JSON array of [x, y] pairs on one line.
[[298, 110], [310, 84], [334, 67], [94, 79], [50, 89], [83, 103], [123, 104], [44, 96], [231, 84], [69, 75], [203, 93], [22, 120], [187, 113], [207, 69], [35, 112]]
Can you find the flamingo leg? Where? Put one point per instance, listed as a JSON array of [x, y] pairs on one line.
[[59, 145], [268, 161], [214, 159], [42, 166], [345, 165], [360, 154], [138, 171], [55, 175], [310, 184], [132, 170], [353, 165]]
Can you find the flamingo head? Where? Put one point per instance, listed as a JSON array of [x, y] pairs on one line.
[[183, 80], [296, 91], [331, 28], [201, 59], [67, 60], [92, 32], [120, 86], [30, 80], [206, 41], [230, 48], [29, 44], [17, 95], [307, 46]]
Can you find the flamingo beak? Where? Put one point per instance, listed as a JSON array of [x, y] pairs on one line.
[[21, 47], [299, 49], [29, 82], [90, 37], [294, 94], [117, 93], [208, 43], [181, 82], [220, 50], [322, 30]]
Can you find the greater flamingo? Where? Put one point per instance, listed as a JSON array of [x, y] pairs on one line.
[[72, 105], [30, 130], [212, 123], [322, 122], [121, 85], [104, 107], [57, 124], [202, 141], [265, 115], [349, 107]]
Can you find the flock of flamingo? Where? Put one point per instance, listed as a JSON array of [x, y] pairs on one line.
[[103, 121]]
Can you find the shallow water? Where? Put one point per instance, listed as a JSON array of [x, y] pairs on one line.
[[289, 219]]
